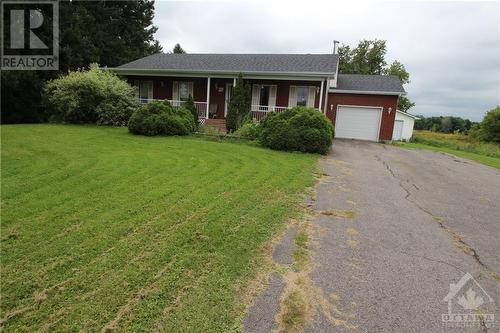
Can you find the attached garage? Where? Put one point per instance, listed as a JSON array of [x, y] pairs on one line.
[[358, 122], [363, 107]]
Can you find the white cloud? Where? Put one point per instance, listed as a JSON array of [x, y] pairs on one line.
[[451, 49]]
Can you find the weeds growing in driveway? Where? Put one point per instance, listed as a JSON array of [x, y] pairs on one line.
[[105, 230]]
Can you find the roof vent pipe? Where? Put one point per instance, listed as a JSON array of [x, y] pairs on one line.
[[335, 42]]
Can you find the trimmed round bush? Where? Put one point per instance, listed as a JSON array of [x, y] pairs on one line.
[[161, 118], [95, 96], [299, 129]]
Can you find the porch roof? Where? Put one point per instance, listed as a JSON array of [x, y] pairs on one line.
[[280, 64]]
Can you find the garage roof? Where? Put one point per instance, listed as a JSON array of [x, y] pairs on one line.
[[357, 83], [325, 64], [407, 114]]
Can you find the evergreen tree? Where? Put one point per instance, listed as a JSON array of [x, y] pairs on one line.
[[110, 33], [189, 104], [239, 105], [178, 49]]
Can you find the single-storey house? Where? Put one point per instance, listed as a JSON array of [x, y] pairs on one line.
[[360, 106]]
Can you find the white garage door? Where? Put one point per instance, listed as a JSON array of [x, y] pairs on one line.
[[357, 123]]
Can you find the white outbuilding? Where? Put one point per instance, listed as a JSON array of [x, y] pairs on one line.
[[403, 126]]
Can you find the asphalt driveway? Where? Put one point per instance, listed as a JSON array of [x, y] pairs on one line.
[[393, 229]]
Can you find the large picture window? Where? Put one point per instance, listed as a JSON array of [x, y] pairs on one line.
[[181, 91], [184, 91], [144, 90], [302, 96]]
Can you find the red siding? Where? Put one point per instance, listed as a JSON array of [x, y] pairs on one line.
[[218, 94], [387, 124], [162, 86], [283, 89], [162, 89]]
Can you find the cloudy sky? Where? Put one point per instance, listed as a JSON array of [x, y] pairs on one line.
[[451, 49]]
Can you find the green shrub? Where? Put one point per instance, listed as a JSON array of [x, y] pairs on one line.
[[192, 108], [161, 118], [249, 130], [299, 128], [489, 128], [94, 96]]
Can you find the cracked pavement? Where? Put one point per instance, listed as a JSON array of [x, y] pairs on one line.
[[392, 228], [421, 221]]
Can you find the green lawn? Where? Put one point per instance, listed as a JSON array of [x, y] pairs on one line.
[[456, 144], [104, 229]]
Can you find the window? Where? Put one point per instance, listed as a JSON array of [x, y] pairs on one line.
[[264, 96], [184, 91], [302, 95], [145, 91]]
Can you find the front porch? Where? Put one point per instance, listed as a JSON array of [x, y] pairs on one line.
[[212, 95]]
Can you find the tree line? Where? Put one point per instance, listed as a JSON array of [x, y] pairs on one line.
[[487, 130], [110, 33], [444, 124]]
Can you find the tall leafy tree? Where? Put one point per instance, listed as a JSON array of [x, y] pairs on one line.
[[239, 105], [107, 32], [398, 69], [178, 49], [369, 58], [489, 128]]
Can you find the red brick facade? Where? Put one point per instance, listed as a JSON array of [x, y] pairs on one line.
[[387, 102], [162, 89]]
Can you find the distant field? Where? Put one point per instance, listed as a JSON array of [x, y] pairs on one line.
[[101, 229], [457, 144]]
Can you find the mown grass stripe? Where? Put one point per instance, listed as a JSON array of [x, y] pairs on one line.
[[141, 233]]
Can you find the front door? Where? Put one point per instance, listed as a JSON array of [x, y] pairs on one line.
[[229, 90]]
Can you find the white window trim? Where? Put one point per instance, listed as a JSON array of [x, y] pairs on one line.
[[307, 101], [269, 100], [139, 83], [176, 89]]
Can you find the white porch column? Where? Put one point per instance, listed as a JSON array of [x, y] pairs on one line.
[[325, 104], [234, 82], [321, 97], [208, 97]]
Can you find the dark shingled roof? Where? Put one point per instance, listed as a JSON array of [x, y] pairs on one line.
[[376, 83], [276, 63]]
